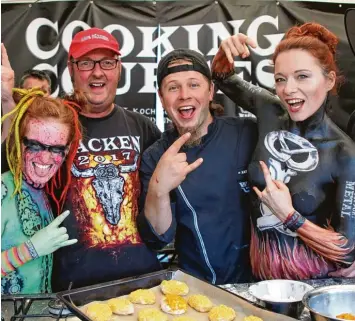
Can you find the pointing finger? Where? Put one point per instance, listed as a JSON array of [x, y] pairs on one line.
[[59, 220], [176, 146]]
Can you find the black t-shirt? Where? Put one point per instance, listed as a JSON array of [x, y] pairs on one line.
[[103, 201]]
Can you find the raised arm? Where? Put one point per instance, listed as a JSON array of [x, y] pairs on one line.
[[7, 83], [244, 94], [156, 222]]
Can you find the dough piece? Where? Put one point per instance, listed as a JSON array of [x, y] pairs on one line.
[[252, 318], [142, 296], [151, 314], [173, 304], [174, 287], [98, 311], [221, 313], [121, 306], [346, 316], [200, 303]]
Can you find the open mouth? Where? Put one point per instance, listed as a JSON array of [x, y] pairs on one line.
[[187, 112], [294, 105], [96, 85], [41, 169]]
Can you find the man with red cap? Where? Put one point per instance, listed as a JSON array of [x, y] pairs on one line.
[[103, 198]]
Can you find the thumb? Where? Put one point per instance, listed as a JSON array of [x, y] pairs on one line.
[[68, 242]]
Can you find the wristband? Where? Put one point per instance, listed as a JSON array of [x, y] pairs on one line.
[[31, 249], [294, 221]]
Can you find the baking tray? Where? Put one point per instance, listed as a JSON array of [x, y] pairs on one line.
[[77, 298]]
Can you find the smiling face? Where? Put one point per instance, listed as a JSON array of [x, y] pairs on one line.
[[39, 165], [98, 85], [301, 83], [186, 96]]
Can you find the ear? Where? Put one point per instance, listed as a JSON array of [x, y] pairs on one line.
[[331, 78], [70, 68], [211, 94], [160, 96]]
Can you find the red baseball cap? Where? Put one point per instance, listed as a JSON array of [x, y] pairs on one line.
[[91, 39]]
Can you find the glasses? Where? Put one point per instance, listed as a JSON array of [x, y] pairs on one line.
[[105, 64], [35, 146]]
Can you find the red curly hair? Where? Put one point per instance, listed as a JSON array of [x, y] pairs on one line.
[[32, 104], [318, 41]]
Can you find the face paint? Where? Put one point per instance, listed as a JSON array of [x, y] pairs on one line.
[[44, 149], [35, 146]]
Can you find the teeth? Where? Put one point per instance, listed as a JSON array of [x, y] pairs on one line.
[[186, 108], [97, 85], [42, 166], [294, 101]]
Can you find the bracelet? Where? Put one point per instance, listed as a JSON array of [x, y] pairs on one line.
[[288, 218], [31, 249], [294, 221]]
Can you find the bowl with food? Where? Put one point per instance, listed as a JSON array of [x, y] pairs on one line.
[[281, 296], [331, 303]]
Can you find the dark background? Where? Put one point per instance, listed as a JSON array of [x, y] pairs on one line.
[[199, 15]]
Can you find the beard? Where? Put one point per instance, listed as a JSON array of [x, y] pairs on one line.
[[195, 138]]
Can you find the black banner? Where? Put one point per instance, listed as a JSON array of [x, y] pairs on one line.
[[38, 36]]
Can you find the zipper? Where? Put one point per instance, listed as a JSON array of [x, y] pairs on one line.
[[198, 234]]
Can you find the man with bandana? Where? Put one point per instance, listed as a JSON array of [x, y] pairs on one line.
[[194, 179]]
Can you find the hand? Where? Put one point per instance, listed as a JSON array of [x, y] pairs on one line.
[[7, 77], [52, 237], [276, 196], [345, 272], [172, 167], [231, 47]]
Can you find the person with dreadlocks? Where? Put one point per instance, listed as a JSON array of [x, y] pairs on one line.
[[43, 133]]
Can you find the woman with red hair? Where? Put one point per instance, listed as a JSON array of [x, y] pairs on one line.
[[303, 168], [44, 132]]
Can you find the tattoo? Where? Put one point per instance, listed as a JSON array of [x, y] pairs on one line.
[[29, 214]]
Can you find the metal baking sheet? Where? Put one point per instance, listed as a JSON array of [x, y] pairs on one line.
[[77, 299]]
